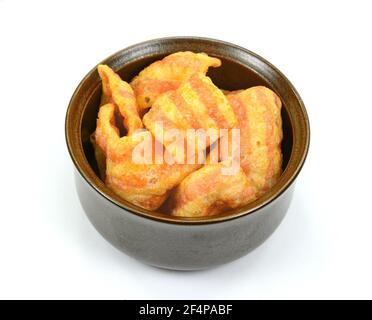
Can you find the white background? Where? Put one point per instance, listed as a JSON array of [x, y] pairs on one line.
[[48, 249]]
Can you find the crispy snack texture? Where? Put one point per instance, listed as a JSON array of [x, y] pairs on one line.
[[196, 104], [120, 93], [208, 191], [143, 184], [259, 120], [142, 138], [168, 74]]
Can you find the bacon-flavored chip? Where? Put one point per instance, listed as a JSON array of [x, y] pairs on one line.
[[168, 74], [259, 120], [120, 93], [196, 104], [145, 184], [208, 191]]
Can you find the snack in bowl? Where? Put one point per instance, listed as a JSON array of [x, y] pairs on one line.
[[175, 94], [143, 184], [259, 120], [168, 74], [120, 93], [196, 104], [206, 237], [207, 191]]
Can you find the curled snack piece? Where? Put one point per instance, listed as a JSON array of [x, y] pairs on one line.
[[120, 93], [145, 184], [208, 191], [168, 74], [259, 120], [196, 104]]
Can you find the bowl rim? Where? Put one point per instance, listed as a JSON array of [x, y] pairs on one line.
[[78, 156]]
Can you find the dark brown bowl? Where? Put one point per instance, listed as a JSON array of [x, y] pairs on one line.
[[172, 242]]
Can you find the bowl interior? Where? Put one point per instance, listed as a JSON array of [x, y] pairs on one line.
[[240, 69]]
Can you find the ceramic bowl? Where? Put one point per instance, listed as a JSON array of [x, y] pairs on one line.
[[172, 242]]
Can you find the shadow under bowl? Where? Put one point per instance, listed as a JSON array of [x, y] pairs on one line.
[[184, 243]]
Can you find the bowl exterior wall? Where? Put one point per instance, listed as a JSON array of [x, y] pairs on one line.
[[177, 246]]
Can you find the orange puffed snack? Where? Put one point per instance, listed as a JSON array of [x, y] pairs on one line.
[[168, 74], [143, 184], [120, 93], [208, 191], [150, 168], [259, 120], [196, 104]]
